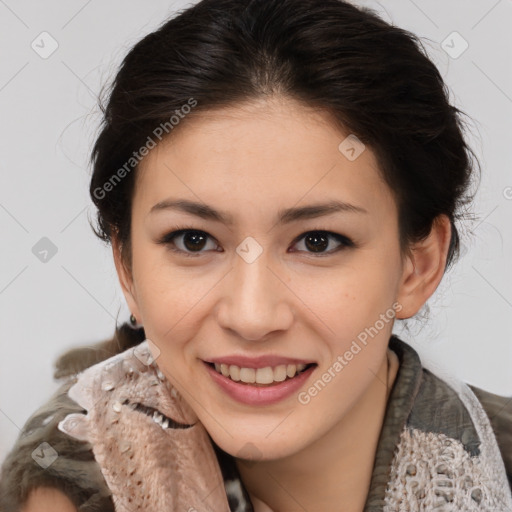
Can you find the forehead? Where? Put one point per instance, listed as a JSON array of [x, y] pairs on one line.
[[261, 153]]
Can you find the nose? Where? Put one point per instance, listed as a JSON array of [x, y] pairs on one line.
[[255, 300]]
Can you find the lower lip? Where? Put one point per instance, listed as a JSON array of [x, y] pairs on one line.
[[256, 395]]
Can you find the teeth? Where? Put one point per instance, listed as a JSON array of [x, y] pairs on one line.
[[234, 372], [248, 375], [266, 375], [280, 373]]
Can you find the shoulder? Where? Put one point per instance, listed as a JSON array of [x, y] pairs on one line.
[[499, 410], [45, 457], [439, 409], [454, 431]]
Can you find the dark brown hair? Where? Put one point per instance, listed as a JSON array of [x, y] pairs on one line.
[[375, 79]]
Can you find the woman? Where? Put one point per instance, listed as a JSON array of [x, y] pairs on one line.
[[279, 181]]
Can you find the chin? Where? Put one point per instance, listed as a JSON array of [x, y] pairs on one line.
[[257, 447]]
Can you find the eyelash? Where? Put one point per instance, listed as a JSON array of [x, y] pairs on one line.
[[168, 239]]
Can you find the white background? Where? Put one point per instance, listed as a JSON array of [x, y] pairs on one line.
[[49, 117]]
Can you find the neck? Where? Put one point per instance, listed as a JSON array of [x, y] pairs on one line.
[[334, 470]]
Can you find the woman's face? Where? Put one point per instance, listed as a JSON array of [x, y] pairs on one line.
[[264, 281]]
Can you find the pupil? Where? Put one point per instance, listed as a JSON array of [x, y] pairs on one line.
[[316, 244], [195, 237]]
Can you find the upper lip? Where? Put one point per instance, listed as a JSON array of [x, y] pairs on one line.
[[257, 362]]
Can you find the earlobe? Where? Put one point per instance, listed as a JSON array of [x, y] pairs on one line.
[[424, 268], [125, 278]]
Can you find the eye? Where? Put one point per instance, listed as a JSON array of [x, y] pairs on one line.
[[188, 241], [317, 241]]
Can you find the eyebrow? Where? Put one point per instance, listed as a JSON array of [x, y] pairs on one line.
[[284, 216]]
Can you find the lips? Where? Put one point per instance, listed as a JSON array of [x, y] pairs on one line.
[[258, 394]]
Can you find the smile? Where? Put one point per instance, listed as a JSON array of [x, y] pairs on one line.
[[292, 378]]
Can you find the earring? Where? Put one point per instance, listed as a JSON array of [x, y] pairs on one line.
[[133, 320]]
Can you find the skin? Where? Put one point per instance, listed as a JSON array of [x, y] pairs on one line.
[[251, 161], [47, 499]]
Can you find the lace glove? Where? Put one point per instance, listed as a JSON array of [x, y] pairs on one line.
[[152, 450]]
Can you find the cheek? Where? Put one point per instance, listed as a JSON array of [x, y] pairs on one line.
[[171, 305], [355, 317], [351, 298], [165, 291]]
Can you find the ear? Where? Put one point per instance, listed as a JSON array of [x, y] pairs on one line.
[[125, 278], [424, 268]]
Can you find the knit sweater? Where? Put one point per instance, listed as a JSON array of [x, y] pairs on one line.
[[444, 445]]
